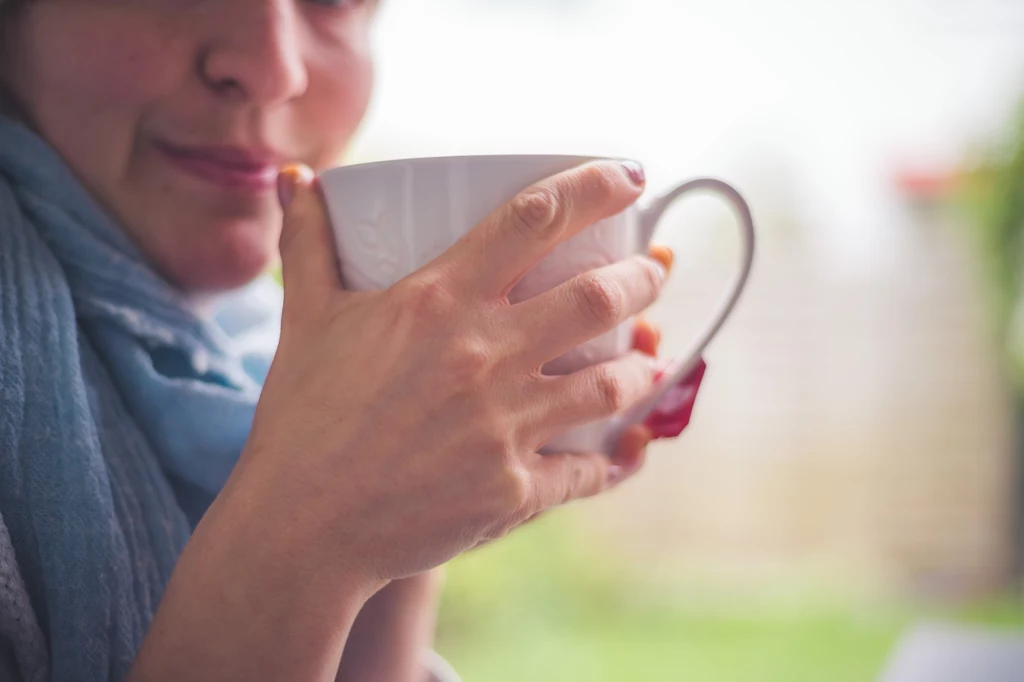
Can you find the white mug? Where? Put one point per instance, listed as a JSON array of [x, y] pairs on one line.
[[391, 218]]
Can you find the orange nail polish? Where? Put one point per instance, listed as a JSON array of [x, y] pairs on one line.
[[663, 255], [289, 177]]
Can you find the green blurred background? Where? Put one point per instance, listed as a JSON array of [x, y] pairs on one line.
[[543, 605], [853, 465]]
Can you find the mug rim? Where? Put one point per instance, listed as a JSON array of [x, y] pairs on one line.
[[579, 159]]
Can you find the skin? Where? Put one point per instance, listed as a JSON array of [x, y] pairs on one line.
[[285, 570], [109, 81]]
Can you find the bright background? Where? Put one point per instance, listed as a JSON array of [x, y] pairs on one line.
[[853, 466]]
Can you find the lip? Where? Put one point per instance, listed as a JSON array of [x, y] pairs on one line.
[[234, 168]]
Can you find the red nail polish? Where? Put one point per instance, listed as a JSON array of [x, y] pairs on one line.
[[635, 172]]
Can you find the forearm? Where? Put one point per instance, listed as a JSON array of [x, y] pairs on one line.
[[392, 632], [253, 597]]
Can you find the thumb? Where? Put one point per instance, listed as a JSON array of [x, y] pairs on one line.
[[308, 263]]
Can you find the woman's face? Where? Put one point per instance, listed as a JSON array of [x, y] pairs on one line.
[[176, 114]]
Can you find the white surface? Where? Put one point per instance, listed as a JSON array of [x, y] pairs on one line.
[[941, 653], [440, 670], [815, 100]]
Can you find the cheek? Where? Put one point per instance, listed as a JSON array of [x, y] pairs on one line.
[[113, 62], [339, 94], [87, 79]]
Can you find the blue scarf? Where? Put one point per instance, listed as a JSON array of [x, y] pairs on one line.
[[123, 409]]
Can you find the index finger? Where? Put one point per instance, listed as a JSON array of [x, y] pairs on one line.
[[496, 254]]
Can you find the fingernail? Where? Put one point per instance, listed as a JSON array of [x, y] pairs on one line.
[[663, 255], [635, 172], [615, 474], [287, 180], [655, 365], [660, 267]]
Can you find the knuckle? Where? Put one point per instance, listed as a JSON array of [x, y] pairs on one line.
[[495, 443], [610, 390], [427, 298], [653, 277], [602, 184], [651, 274], [470, 359], [513, 490], [575, 485], [601, 301], [536, 212]]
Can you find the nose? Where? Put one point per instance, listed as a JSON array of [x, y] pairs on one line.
[[254, 51]]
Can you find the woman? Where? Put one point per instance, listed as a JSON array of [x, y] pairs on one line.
[[158, 523]]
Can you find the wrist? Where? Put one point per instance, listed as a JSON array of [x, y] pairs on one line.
[[252, 598], [307, 528]]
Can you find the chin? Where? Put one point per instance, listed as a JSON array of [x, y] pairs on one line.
[[237, 254]]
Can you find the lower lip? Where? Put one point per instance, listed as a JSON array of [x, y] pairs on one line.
[[254, 180]]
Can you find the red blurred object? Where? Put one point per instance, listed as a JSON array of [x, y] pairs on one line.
[[928, 183], [672, 414]]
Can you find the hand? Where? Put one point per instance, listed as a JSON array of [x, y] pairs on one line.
[[392, 631], [401, 427], [631, 451], [397, 429]]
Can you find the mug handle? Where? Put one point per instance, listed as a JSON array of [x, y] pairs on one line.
[[680, 368]]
